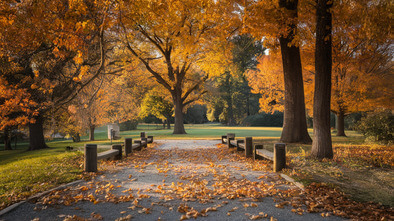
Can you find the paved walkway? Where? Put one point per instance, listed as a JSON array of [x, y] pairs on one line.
[[175, 180]]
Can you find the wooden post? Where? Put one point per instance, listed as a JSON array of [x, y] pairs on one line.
[[279, 156], [229, 138], [223, 136], [90, 157], [256, 147], [151, 137], [142, 134], [128, 149], [119, 148], [146, 141], [248, 147]]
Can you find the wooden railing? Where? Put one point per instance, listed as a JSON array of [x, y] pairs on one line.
[[115, 153], [257, 150]]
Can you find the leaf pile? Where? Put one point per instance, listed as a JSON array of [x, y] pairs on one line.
[[328, 201], [376, 156]]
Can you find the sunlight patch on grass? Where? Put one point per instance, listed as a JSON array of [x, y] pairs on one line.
[[37, 171]]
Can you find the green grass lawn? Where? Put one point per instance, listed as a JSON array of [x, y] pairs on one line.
[[23, 173], [195, 131]]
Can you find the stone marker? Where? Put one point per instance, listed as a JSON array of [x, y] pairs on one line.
[[113, 128]]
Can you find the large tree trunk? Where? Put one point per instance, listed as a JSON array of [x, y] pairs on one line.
[[179, 128], [294, 122], [340, 123], [91, 134], [7, 139], [322, 144], [36, 137]]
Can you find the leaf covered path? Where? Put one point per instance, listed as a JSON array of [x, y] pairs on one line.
[[176, 180]]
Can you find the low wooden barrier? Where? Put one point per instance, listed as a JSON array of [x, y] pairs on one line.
[[257, 150], [149, 138], [229, 139], [246, 145], [278, 156], [91, 156]]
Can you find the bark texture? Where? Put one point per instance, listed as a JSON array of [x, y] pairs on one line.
[[322, 144], [179, 128], [36, 137], [294, 122], [340, 124], [7, 139], [91, 133]]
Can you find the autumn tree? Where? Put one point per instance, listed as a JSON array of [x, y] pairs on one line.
[[277, 21], [176, 41], [49, 42], [322, 144], [122, 93], [267, 81], [14, 109], [87, 109], [362, 59]]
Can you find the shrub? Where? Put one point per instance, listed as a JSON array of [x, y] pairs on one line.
[[128, 125], [377, 126], [264, 119]]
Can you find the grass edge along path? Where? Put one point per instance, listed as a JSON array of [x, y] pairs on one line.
[[37, 171]]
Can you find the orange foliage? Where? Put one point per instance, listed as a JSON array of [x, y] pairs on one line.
[[267, 80], [14, 102], [47, 46], [362, 55]]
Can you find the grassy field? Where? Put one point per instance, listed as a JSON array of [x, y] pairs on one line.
[[24, 173], [363, 171], [196, 131]]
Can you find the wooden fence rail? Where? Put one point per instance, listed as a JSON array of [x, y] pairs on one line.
[[91, 155], [257, 150]]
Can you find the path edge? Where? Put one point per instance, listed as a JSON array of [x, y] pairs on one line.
[[291, 180], [36, 196]]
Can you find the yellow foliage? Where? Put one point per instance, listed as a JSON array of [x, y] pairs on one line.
[[267, 80]]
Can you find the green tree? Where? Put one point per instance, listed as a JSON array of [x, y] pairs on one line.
[[158, 106], [233, 85]]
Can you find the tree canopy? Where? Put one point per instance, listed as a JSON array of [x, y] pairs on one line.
[[91, 62]]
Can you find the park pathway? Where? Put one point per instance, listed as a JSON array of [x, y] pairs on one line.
[[175, 180]]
